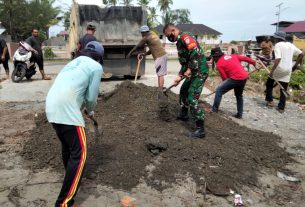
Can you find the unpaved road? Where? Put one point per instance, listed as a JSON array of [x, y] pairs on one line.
[[22, 186]]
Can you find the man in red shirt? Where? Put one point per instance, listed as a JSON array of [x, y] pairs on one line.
[[233, 75]]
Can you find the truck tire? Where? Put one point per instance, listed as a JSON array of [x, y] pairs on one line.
[[18, 73]]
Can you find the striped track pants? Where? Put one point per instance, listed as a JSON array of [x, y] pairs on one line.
[[74, 152]]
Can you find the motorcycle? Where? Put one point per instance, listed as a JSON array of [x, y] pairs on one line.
[[24, 66]]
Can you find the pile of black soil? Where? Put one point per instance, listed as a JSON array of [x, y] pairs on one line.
[[135, 136]]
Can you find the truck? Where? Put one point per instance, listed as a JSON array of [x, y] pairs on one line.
[[117, 28]]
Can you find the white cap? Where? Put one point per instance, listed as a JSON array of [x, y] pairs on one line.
[[144, 28]]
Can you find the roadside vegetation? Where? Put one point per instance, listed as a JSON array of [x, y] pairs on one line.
[[296, 84]]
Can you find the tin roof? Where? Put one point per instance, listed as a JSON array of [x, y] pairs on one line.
[[296, 27]]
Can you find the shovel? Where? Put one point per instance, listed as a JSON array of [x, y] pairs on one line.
[[140, 58], [205, 96], [282, 88], [95, 128], [165, 90]]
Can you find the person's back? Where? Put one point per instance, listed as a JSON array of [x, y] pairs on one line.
[[155, 45], [69, 90], [230, 65], [86, 39], [284, 51]]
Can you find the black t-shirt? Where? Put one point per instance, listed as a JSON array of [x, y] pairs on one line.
[[85, 39], [35, 43], [2, 46]]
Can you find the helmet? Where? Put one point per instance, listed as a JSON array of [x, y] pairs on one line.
[[216, 52], [144, 28], [96, 47]]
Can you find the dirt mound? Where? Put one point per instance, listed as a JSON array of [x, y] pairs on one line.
[[137, 145]]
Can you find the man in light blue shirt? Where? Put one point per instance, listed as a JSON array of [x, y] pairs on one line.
[[76, 87]]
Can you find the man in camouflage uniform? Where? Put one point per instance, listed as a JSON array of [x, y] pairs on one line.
[[195, 70]]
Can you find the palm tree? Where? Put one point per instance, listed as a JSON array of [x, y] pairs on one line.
[[164, 7], [152, 20], [153, 14], [127, 2], [113, 2], [143, 3], [178, 16]]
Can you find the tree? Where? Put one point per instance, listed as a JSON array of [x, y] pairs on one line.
[[178, 16], [143, 3], [42, 15], [105, 2], [20, 16], [67, 19], [153, 14], [113, 2], [164, 7], [12, 16], [152, 20], [127, 2]]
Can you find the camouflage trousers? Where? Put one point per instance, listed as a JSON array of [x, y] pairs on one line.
[[190, 93]]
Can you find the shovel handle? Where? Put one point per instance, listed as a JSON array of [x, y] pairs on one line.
[[210, 94], [282, 88], [167, 89], [140, 58]]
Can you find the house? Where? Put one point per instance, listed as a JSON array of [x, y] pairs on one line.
[[202, 32], [296, 31], [283, 24]]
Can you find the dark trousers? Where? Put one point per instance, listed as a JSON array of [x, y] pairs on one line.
[[74, 152], [5, 64], [38, 58], [269, 90], [224, 87]]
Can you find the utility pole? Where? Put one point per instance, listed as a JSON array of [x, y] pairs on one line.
[[278, 16]]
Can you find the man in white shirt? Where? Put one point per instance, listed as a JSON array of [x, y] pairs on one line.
[[282, 68]]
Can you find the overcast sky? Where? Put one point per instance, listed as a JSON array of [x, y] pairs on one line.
[[235, 19]]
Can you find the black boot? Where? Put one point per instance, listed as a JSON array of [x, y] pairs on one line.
[[199, 132], [183, 115]]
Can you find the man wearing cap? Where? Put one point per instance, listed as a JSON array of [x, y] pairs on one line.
[[88, 37], [75, 87], [152, 41], [233, 75], [282, 68], [194, 69]]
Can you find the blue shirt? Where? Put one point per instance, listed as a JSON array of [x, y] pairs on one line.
[[75, 87]]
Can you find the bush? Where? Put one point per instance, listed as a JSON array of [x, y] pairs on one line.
[[259, 76], [48, 53], [297, 80], [213, 73]]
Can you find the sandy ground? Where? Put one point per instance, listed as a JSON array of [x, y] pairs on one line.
[[22, 186]]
